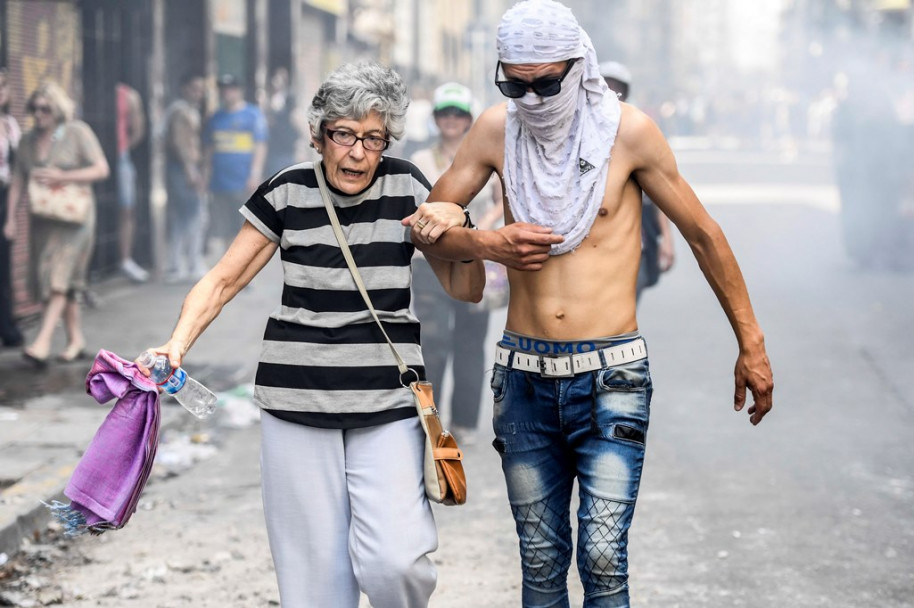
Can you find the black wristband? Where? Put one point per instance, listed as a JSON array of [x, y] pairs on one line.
[[467, 222]]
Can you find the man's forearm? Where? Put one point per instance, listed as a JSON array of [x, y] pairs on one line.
[[458, 244], [717, 262]]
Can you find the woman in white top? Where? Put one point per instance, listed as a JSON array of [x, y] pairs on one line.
[[452, 329]]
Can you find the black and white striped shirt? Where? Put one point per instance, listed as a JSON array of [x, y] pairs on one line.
[[324, 362]]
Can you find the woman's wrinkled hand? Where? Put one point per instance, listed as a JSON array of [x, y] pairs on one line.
[[171, 349], [431, 220]]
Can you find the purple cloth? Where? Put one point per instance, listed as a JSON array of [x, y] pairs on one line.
[[107, 482]]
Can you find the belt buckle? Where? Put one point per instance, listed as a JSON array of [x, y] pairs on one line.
[[557, 367]]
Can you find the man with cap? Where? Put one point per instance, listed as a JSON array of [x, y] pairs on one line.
[[657, 253], [452, 330], [571, 382], [235, 148]]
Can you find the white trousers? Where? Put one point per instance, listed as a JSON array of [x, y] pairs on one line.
[[346, 512]]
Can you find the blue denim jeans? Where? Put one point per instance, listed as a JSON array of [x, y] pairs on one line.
[[549, 431], [126, 181]]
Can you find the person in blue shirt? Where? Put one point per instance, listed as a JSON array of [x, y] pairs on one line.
[[235, 147]]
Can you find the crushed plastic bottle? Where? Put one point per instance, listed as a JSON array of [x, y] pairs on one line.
[[196, 398]]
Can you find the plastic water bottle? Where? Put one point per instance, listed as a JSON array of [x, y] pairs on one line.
[[196, 398]]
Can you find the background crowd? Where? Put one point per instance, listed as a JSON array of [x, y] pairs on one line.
[[213, 163]]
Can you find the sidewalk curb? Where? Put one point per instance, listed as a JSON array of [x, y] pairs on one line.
[[47, 483]]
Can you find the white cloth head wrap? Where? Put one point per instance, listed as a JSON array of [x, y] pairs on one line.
[[557, 148]]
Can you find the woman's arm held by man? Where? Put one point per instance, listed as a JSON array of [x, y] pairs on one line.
[[519, 245]]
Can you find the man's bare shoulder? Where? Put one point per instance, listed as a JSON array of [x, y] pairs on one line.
[[634, 125], [486, 139], [638, 135], [493, 116]]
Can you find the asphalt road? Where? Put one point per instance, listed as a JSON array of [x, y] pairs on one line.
[[815, 507]]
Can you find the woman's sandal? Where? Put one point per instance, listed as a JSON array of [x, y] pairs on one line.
[[68, 357], [35, 360]]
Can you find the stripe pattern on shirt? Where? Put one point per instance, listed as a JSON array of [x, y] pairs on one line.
[[323, 355]]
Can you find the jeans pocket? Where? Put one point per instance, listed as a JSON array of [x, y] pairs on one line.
[[499, 382], [621, 410], [628, 376], [628, 432]]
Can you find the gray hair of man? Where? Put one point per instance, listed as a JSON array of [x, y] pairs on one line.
[[353, 90]]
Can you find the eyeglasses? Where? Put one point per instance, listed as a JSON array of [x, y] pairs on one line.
[[40, 109], [372, 143], [544, 87]]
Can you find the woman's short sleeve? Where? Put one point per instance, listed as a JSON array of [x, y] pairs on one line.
[[90, 150], [265, 210]]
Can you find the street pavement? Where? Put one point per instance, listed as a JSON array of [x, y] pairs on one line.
[[813, 508]]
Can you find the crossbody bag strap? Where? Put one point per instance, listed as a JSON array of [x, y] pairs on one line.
[[356, 275]]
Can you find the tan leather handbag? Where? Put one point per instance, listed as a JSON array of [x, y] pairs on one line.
[[445, 480]]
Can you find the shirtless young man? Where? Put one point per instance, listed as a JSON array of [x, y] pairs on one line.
[[571, 382]]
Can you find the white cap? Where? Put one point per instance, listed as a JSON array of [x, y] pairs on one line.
[[616, 71], [453, 95]]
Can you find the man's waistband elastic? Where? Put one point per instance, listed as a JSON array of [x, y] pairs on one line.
[[565, 366]]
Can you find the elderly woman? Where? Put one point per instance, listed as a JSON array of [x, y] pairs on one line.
[[58, 151], [342, 448]]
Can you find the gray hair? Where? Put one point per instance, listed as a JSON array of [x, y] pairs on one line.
[[353, 90]]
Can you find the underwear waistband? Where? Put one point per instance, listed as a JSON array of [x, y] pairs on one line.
[[549, 348]]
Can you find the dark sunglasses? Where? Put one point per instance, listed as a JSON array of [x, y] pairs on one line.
[[544, 87], [40, 109]]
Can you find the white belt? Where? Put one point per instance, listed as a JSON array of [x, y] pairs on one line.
[[565, 366]]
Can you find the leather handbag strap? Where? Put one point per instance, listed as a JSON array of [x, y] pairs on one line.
[[356, 275]]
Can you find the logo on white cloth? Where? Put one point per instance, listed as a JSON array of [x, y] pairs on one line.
[[584, 166]]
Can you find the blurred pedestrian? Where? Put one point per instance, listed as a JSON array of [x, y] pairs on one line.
[[130, 128], [59, 150], [342, 448], [657, 251], [283, 126], [867, 143], [9, 141], [452, 330], [185, 213], [235, 149], [571, 380]]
